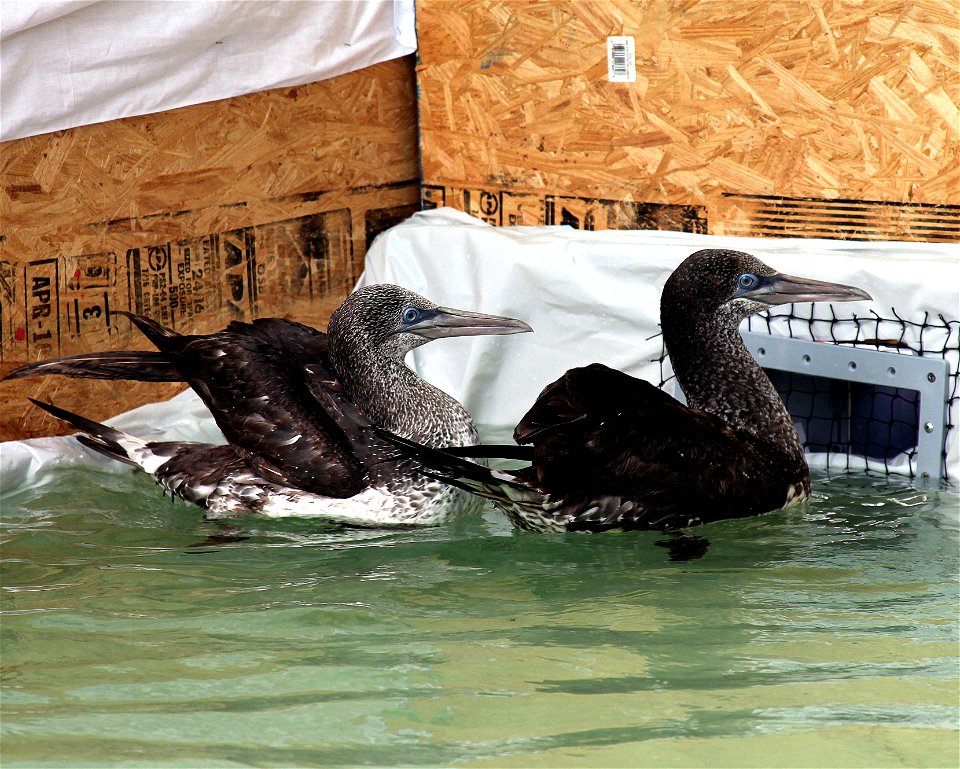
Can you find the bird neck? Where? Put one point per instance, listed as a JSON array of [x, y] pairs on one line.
[[396, 398], [720, 376]]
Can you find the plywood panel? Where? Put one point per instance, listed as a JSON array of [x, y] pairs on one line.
[[789, 118], [259, 205]]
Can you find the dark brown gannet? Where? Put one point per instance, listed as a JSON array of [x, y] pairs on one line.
[[609, 451], [296, 407]]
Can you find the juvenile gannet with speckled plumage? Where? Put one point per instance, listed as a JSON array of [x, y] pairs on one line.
[[614, 452], [296, 407]]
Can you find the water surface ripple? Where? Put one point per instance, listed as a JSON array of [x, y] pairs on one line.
[[136, 635]]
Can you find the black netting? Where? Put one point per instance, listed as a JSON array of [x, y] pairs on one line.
[[848, 420]]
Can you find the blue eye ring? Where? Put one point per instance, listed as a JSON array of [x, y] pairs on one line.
[[411, 315], [747, 281]]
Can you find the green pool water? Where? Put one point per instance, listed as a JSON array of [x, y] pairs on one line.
[[816, 637]]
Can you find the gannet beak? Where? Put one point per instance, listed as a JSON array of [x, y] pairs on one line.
[[782, 289], [445, 321]]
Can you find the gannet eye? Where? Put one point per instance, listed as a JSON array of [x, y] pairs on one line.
[[747, 281], [411, 315]]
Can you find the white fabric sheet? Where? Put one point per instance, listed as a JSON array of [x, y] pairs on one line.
[[590, 296], [65, 63]]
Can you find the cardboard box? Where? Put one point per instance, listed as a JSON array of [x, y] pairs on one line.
[[787, 119], [258, 205]]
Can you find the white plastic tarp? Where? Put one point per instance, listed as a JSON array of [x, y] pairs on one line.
[[595, 296], [590, 296], [65, 63]]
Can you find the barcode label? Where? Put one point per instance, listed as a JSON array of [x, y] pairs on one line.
[[621, 61]]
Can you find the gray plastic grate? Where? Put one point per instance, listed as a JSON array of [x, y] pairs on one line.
[[887, 371]]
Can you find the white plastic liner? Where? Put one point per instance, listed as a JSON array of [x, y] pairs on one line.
[[595, 296], [66, 63], [35, 461], [590, 296]]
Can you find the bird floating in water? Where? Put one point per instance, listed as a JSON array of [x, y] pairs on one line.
[[613, 452], [297, 408]]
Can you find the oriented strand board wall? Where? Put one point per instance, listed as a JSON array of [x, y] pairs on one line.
[[836, 119], [258, 205]]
